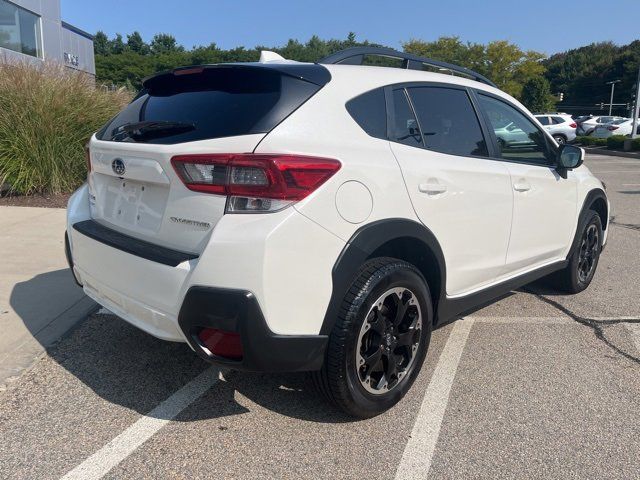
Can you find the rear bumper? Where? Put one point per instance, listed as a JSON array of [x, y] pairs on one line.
[[267, 255], [238, 311]]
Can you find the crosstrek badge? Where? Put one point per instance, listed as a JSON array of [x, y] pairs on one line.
[[192, 223]]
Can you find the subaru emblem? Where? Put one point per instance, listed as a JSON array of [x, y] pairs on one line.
[[118, 167]]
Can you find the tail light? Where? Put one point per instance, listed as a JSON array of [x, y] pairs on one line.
[[612, 128], [573, 125], [255, 182]]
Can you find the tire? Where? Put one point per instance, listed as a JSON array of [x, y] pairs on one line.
[[583, 261], [366, 329], [560, 139]]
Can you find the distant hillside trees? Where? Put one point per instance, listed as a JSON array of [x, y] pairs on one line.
[[579, 74]]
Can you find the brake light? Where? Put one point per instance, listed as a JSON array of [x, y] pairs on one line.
[[612, 128], [573, 125], [255, 182]]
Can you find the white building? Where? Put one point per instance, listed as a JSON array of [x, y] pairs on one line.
[[32, 30]]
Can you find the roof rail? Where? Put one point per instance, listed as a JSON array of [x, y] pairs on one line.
[[355, 56]]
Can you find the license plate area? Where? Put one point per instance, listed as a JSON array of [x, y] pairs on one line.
[[134, 205]]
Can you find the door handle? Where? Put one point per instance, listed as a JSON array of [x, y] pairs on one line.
[[432, 188], [521, 186]]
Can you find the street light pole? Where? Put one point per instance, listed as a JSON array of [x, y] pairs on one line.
[[613, 86]]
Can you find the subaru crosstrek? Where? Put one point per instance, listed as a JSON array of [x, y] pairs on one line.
[[281, 216]]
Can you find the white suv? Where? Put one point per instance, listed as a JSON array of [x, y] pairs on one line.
[[559, 125], [285, 216]]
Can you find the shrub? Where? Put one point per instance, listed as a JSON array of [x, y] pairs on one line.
[[616, 142], [635, 144], [584, 140], [47, 114]]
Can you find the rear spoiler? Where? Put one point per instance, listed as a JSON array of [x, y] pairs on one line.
[[309, 72]]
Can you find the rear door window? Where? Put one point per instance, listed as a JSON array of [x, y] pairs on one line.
[[448, 121], [209, 103]]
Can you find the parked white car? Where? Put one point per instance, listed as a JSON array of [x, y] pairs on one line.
[[617, 127], [285, 216], [559, 125], [588, 125]]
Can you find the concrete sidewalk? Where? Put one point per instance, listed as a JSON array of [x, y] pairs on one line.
[[39, 300]]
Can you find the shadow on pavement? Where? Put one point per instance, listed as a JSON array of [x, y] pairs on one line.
[[44, 298], [126, 366]]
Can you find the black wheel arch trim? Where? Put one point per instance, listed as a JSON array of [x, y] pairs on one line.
[[360, 247], [589, 200]]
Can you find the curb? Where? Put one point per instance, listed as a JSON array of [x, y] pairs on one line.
[[611, 153]]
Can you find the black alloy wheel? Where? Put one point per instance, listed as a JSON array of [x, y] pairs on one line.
[[388, 340]]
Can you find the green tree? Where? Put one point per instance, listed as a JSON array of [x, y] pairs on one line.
[[116, 46], [165, 43], [136, 44], [501, 61], [536, 95], [101, 43]]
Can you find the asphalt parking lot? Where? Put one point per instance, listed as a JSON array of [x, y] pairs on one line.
[[536, 385]]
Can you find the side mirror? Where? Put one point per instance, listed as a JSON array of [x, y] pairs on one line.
[[569, 157]]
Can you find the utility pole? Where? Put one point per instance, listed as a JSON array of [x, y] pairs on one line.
[[636, 109], [613, 86]]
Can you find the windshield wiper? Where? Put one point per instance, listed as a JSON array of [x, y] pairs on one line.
[[150, 129]]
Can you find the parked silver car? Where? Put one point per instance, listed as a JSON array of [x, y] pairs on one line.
[[561, 126]]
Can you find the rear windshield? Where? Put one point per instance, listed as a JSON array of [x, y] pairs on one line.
[[211, 103]]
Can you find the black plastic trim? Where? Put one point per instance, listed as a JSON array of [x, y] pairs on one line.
[[238, 311], [370, 237], [452, 308], [364, 242], [355, 56], [131, 245]]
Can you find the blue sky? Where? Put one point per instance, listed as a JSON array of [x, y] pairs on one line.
[[535, 25]]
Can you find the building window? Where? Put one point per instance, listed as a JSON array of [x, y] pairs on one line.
[[19, 30]]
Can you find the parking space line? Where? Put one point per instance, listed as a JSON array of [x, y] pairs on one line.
[[99, 464], [416, 459]]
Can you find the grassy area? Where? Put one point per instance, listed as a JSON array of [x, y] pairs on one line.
[[47, 114]]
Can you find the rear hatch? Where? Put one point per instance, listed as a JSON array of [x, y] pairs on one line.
[[215, 109]]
